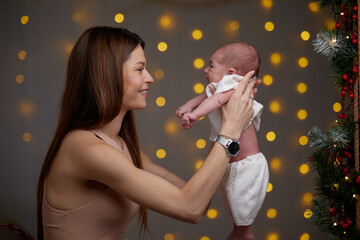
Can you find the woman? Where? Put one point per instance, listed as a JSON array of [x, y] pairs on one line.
[[95, 177]]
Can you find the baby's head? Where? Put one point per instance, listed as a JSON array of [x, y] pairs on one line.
[[232, 58]]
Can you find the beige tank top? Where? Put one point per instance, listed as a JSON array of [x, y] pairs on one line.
[[103, 218]]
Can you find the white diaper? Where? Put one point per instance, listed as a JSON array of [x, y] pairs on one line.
[[243, 188]]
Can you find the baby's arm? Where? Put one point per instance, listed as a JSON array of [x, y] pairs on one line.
[[207, 106], [190, 105]]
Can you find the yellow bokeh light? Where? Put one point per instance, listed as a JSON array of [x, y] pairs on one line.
[[267, 3], [304, 168], [314, 7], [24, 20], [308, 213], [204, 238], [267, 80], [171, 127], [301, 87], [330, 24], [201, 118], [271, 213], [337, 107], [22, 55], [212, 213], [166, 21], [26, 137], [201, 143], [162, 46], [269, 188], [161, 153], [269, 26], [199, 88], [234, 25], [198, 164], [159, 74], [76, 17], [169, 236], [26, 108], [271, 136], [160, 101], [20, 78], [197, 34], [305, 35], [275, 58], [275, 164], [303, 140], [302, 114], [307, 197], [303, 62], [272, 236], [275, 107], [305, 236], [199, 63], [119, 18]]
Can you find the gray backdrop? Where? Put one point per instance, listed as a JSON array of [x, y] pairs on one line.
[[33, 105]]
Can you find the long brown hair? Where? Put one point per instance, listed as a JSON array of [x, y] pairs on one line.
[[93, 96]]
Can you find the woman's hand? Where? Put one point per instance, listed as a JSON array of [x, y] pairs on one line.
[[239, 109]]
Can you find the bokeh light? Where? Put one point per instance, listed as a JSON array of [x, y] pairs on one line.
[[169, 236], [77, 16], [198, 164], [212, 213], [159, 74], [201, 143], [307, 197], [275, 164], [26, 137], [270, 187], [204, 238], [234, 25], [302, 114], [305, 236], [330, 24], [166, 21], [303, 140], [267, 80], [162, 46], [24, 20], [337, 107], [160, 101], [199, 63], [271, 213], [275, 58], [301, 87], [267, 3], [314, 7], [19, 78], [199, 88], [303, 62], [171, 126], [26, 108], [275, 106], [272, 236], [269, 26], [22, 55], [119, 18], [197, 34], [304, 168], [161, 153], [305, 35], [271, 136], [308, 213]]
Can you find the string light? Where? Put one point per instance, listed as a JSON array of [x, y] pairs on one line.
[[307, 197], [171, 127], [302, 114], [160, 101], [267, 80], [337, 107], [275, 106], [162, 46], [303, 62], [24, 20], [305, 236], [199, 63], [169, 236], [204, 238], [301, 87], [305, 35], [303, 140], [275, 58], [308, 213], [199, 88], [272, 236], [271, 136], [201, 143], [167, 21], [304, 169], [212, 213], [271, 213], [234, 25], [267, 4], [20, 78], [119, 18], [269, 26], [314, 7], [198, 164], [275, 164], [197, 34], [22, 55], [269, 188], [26, 108], [26, 137], [161, 153], [159, 74]]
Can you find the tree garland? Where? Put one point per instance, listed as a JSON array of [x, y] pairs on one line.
[[336, 209]]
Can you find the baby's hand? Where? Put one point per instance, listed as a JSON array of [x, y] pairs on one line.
[[182, 110], [188, 120]]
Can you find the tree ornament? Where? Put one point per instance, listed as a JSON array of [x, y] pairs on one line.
[[357, 180], [332, 212], [351, 95], [355, 8], [345, 76], [354, 16], [354, 41], [311, 159], [343, 93], [350, 81], [337, 25]]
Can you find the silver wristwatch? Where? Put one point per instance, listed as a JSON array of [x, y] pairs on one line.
[[231, 145]]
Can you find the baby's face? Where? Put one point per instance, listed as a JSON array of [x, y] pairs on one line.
[[216, 70]]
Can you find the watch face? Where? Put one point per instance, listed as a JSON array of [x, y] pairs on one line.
[[233, 148]]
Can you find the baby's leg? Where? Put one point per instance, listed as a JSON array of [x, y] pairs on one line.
[[241, 233]]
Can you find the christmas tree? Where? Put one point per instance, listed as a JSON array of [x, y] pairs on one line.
[[335, 159]]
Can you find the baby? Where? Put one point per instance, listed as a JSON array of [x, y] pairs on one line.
[[244, 185]]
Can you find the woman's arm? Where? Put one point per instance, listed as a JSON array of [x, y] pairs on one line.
[[95, 160]]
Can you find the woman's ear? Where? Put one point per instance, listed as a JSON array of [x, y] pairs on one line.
[[231, 71]]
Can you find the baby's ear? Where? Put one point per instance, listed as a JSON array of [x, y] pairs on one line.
[[231, 71]]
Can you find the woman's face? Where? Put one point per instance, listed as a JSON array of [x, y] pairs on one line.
[[136, 81]]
